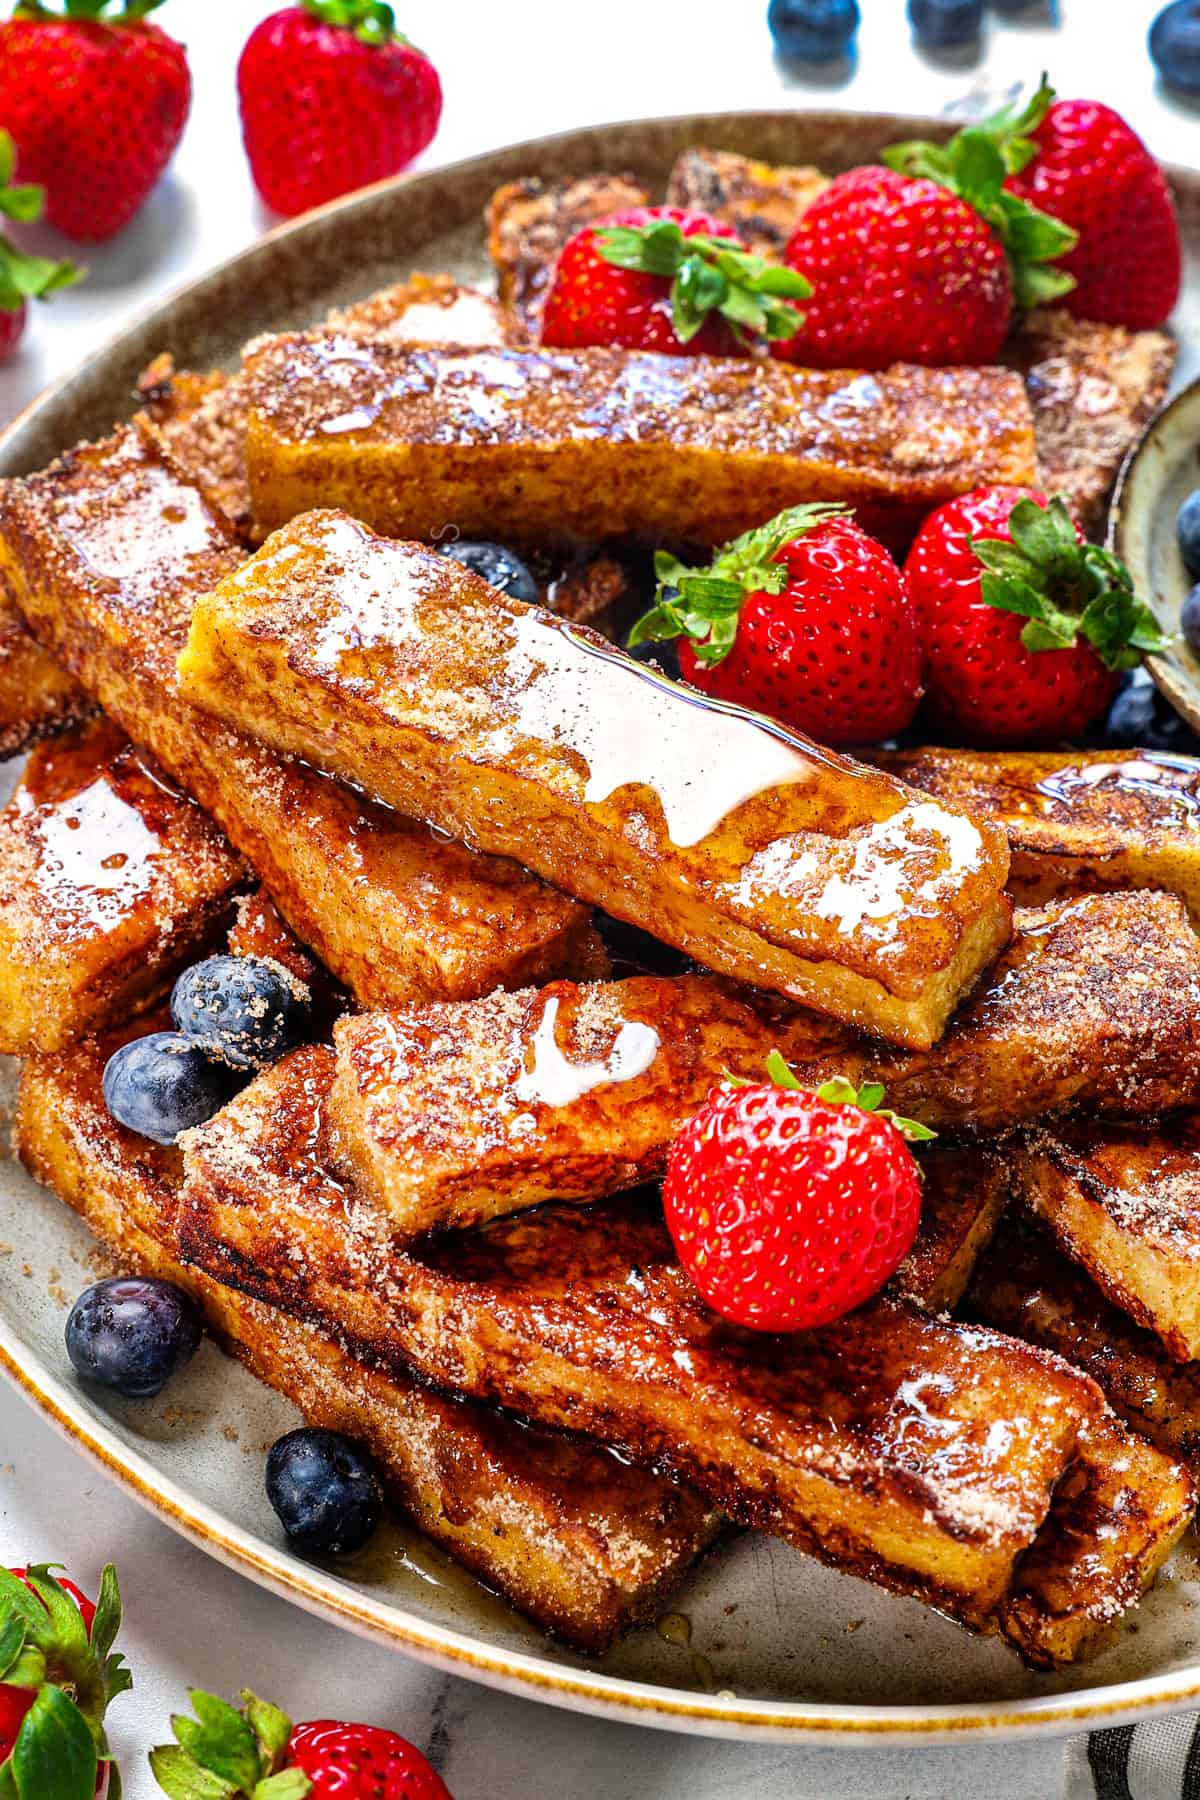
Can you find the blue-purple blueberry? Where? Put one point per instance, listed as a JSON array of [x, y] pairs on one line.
[[131, 1334]]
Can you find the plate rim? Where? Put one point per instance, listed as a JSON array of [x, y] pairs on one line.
[[324, 1594]]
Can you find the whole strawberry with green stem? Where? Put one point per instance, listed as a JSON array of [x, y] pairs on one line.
[[1026, 626], [22, 276], [664, 279], [96, 99], [332, 97], [255, 1753], [58, 1673], [790, 1207], [924, 259], [805, 619]]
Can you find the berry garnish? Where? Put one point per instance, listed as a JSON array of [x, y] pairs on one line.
[[97, 101], [1187, 530], [1142, 718], [163, 1084], [22, 276], [240, 1010], [813, 30], [255, 1753], [940, 24], [804, 618], [324, 1490], [789, 1208], [332, 96], [659, 278], [131, 1334], [58, 1673], [1026, 626], [499, 566], [1189, 620], [1175, 45]]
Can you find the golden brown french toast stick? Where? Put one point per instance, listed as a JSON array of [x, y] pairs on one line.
[[529, 221], [106, 553], [762, 201], [748, 847], [546, 446], [964, 1191], [450, 1115], [37, 698], [110, 880], [582, 1542], [1076, 820], [917, 1453]]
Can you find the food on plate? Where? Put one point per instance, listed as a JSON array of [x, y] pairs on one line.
[[243, 1010], [1187, 530], [324, 1490], [805, 619], [529, 221], [60, 1677], [1026, 626], [761, 201], [332, 96], [96, 104], [162, 1084], [770, 859], [132, 1333], [327, 1759], [546, 445]]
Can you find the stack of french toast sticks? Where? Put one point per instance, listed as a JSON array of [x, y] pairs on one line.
[[435, 1226]]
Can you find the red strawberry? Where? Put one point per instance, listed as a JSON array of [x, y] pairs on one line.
[[256, 1751], [20, 273], [659, 278], [790, 1208], [332, 97], [59, 1676], [804, 619], [96, 105], [922, 261], [1095, 174], [1024, 624]]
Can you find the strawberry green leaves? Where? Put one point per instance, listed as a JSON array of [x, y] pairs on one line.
[[840, 1092], [975, 165], [703, 604], [228, 1754], [23, 276], [54, 1757], [127, 11], [1065, 590], [371, 21], [707, 275]]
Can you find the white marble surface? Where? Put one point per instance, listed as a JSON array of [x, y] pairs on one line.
[[511, 71]]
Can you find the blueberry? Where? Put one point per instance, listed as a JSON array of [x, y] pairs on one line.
[[814, 30], [939, 24], [1187, 529], [1175, 49], [162, 1084], [665, 654], [324, 1489], [1140, 718], [239, 1009], [132, 1334], [499, 566], [1189, 620]]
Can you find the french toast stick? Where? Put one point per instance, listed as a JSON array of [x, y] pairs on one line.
[[528, 222], [451, 1115], [1023, 1283], [580, 1541], [1124, 1203], [1076, 820], [762, 201], [964, 1191], [878, 1444], [749, 847], [547, 446], [37, 697], [106, 553], [110, 880]]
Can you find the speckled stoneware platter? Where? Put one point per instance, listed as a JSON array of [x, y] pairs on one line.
[[778, 1646]]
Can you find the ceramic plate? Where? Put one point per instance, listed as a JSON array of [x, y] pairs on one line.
[[778, 1646]]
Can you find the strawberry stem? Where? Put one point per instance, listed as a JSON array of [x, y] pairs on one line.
[[710, 274], [372, 21], [95, 10], [705, 604], [229, 1753], [1065, 590], [837, 1091], [975, 164], [23, 276]]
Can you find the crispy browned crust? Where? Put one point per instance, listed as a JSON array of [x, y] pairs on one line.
[[1125, 1204], [110, 880], [37, 698], [107, 552], [1093, 389], [582, 1542], [1076, 821], [1024, 1284], [751, 849], [529, 221], [762, 201], [964, 1190], [873, 1444], [547, 446]]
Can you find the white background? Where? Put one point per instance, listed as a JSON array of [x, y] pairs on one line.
[[511, 69]]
